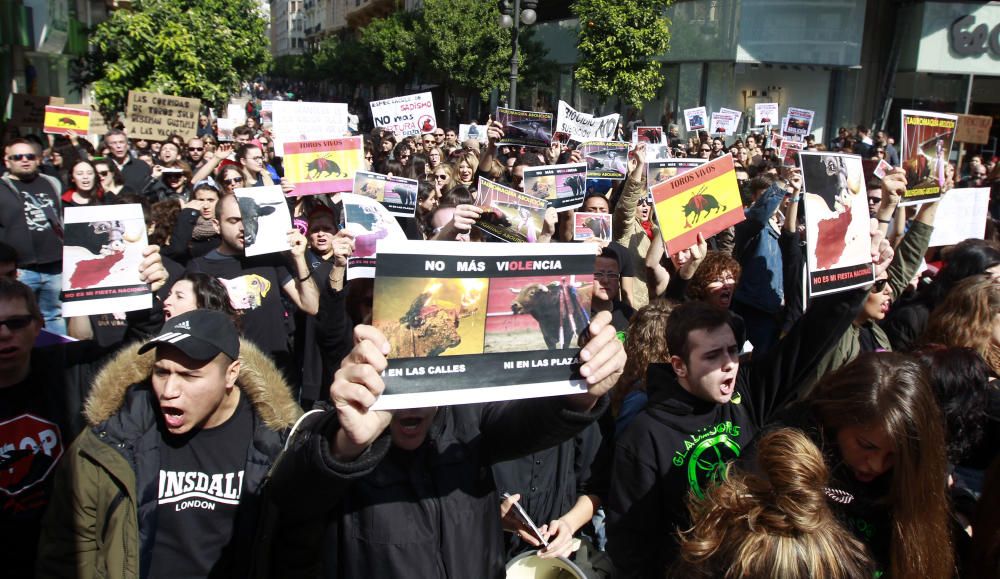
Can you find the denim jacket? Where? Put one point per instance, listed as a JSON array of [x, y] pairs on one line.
[[761, 284]]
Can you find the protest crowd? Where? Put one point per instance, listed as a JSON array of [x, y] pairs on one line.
[[742, 400]]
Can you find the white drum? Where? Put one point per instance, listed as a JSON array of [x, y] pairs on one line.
[[528, 565]]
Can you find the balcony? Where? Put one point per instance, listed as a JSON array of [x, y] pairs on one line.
[[364, 11]]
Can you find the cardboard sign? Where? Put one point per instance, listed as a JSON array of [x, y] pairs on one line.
[[961, 215], [509, 214], [155, 117], [370, 222], [562, 186], [66, 121], [605, 159], [798, 122], [924, 147], [406, 115], [838, 240], [28, 111], [326, 166], [583, 125], [974, 129], [591, 226], [266, 220], [660, 170], [695, 119], [102, 252], [765, 114], [525, 128], [397, 194], [306, 121], [474, 322], [267, 115], [702, 200]]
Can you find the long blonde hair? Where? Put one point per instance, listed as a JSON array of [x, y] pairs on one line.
[[965, 317], [778, 524]]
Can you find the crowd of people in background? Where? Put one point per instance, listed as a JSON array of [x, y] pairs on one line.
[[733, 426]]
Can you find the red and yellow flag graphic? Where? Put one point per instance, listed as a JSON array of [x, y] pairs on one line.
[[705, 199], [324, 166], [66, 121]]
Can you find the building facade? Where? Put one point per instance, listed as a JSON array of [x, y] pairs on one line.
[[287, 28]]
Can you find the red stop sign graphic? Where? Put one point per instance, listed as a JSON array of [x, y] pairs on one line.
[[29, 449]]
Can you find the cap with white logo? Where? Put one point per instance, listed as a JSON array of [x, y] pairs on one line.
[[199, 334]]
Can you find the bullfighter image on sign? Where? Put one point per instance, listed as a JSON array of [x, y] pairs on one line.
[[925, 146]]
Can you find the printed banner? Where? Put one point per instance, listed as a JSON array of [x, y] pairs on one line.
[[563, 186], [722, 124], [961, 215], [765, 114], [370, 222], [660, 170], [734, 126], [480, 322], [98, 126], [798, 122], [591, 226], [583, 125], [102, 252], [838, 238], [406, 116], [326, 166], [397, 194], [653, 135], [924, 148], [155, 117], [605, 159], [525, 128], [66, 121], [266, 220], [702, 200], [695, 119], [509, 214], [472, 132], [295, 122], [225, 129]]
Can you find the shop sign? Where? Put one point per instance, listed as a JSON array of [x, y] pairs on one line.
[[970, 39]]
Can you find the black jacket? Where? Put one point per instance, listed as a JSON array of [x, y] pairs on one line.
[[429, 513], [13, 227], [681, 443]]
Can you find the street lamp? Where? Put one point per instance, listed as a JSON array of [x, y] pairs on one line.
[[511, 16]]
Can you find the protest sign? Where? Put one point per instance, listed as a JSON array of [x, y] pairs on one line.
[[525, 128], [605, 159], [591, 226], [924, 147], [102, 252], [788, 152], [397, 194], [703, 200], [838, 248], [695, 119], [875, 169], [660, 170], [369, 221], [225, 132], [734, 126], [509, 214], [472, 132], [481, 322], [267, 115], [28, 110], [236, 112], [266, 221], [798, 122], [98, 126], [66, 121], [306, 121], [324, 166], [563, 186], [658, 152], [974, 129], [961, 215], [406, 115], [653, 135], [722, 124], [765, 114], [583, 125], [155, 117]]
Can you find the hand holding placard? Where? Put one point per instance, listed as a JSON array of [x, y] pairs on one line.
[[604, 361], [151, 270], [356, 386]]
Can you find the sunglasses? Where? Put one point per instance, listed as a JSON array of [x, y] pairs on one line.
[[441, 177], [645, 202], [706, 150], [22, 157], [104, 173], [874, 200], [232, 181], [606, 275], [879, 285], [196, 148], [17, 322]]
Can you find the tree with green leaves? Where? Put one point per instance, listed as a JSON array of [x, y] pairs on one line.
[[618, 43], [392, 42], [193, 48]]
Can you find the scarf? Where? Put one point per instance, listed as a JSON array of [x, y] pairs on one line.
[[647, 226], [204, 229]]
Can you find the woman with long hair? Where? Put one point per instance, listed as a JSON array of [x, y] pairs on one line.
[[198, 291], [85, 187], [645, 344], [969, 317], [112, 180], [777, 523], [881, 430], [231, 178], [464, 168]]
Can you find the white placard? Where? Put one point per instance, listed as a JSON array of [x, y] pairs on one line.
[[765, 114], [584, 125], [305, 121], [695, 119], [237, 113], [961, 215], [474, 132], [266, 220], [406, 115]]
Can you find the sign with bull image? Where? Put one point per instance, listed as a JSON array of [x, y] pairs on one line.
[[397, 194], [509, 214], [525, 128], [481, 322], [587, 226], [66, 121], [266, 221], [606, 159], [324, 166], [563, 186], [704, 200]]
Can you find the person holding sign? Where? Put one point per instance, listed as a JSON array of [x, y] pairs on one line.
[[409, 492], [631, 225]]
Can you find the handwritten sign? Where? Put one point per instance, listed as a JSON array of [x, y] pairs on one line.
[[584, 125], [974, 129], [156, 116], [406, 115]]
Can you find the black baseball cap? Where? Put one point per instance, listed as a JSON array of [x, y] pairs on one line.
[[199, 334]]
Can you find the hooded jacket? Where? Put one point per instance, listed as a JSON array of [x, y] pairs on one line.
[[102, 518]]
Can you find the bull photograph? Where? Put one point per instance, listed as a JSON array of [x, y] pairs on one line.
[[266, 220], [563, 186], [537, 312]]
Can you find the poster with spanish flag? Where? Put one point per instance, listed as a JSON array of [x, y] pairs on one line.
[[323, 166], [66, 121], [702, 200]]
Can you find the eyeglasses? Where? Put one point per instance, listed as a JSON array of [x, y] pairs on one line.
[[438, 134], [441, 177], [233, 180], [874, 200], [22, 157], [196, 148], [607, 275], [645, 202], [706, 150], [879, 285], [104, 173], [15, 323]]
